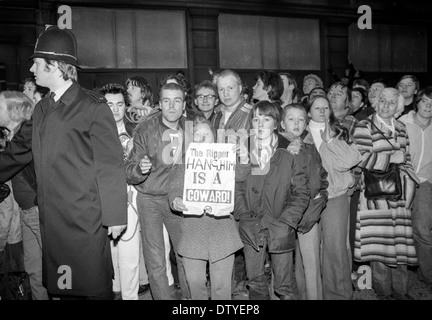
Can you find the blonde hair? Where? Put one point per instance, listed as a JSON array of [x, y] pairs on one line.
[[68, 71], [399, 97], [19, 106]]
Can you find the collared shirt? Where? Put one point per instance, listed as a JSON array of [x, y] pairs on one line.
[[390, 127], [59, 92], [121, 128], [264, 149], [238, 121], [225, 116]]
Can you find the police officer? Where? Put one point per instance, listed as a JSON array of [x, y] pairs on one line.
[[81, 183]]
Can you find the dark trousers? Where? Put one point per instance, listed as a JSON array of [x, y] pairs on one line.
[[283, 273], [352, 226], [154, 213]]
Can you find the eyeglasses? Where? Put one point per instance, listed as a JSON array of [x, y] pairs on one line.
[[202, 97]]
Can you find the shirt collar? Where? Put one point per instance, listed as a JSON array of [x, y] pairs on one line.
[[59, 92], [121, 128], [390, 127], [344, 113]]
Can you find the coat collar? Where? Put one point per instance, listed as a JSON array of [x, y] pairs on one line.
[[221, 107], [307, 137], [283, 142], [181, 122], [345, 112], [69, 96]]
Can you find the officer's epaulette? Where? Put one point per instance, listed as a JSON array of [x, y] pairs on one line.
[[96, 96]]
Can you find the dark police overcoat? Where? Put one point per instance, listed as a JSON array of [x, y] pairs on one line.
[[81, 190]]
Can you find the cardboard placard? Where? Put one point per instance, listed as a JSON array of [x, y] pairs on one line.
[[209, 179]]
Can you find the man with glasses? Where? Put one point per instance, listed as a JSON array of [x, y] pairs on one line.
[[408, 86], [206, 98]]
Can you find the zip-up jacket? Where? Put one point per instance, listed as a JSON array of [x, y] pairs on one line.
[[419, 148]]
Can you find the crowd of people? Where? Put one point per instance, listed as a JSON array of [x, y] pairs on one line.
[[96, 185]]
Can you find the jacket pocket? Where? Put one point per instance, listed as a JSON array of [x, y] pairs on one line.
[[281, 236], [312, 214], [249, 229]]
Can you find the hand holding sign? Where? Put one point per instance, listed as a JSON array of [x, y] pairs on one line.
[[145, 165], [178, 204], [242, 153]]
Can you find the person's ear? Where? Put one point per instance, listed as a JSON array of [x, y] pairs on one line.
[[53, 66], [54, 69], [282, 125]]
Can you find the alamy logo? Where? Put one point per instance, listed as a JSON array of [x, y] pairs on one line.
[[365, 21], [65, 20], [65, 280], [364, 281]]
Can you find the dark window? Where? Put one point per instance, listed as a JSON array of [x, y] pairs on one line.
[[130, 38], [256, 42]]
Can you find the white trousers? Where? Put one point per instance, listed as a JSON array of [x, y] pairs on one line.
[[308, 264], [126, 253]]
